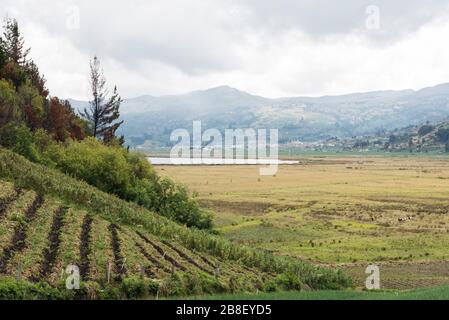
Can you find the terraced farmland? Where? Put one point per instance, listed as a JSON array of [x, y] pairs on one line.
[[47, 225], [42, 236]]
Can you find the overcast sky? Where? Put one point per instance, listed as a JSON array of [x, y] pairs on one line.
[[270, 48]]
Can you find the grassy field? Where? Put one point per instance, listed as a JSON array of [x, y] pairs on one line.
[[435, 293], [344, 212]]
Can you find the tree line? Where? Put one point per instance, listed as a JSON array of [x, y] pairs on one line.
[[25, 98]]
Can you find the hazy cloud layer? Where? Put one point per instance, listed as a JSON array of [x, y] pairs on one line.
[[271, 48]]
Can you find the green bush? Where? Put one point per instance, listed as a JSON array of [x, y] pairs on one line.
[[425, 129], [11, 289], [174, 286], [442, 135], [153, 287], [20, 139], [134, 288], [110, 292], [270, 286], [289, 281]]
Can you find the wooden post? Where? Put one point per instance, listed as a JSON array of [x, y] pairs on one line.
[[217, 271], [19, 271], [142, 271], [108, 271], [123, 264]]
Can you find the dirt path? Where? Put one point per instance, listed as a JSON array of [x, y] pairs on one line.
[[51, 252], [85, 247], [19, 237], [161, 251], [187, 258], [119, 261], [151, 259], [6, 202]]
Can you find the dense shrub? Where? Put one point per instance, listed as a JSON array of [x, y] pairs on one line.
[[134, 288], [289, 281], [9, 110], [443, 135], [425, 129], [11, 289], [18, 138], [153, 287]]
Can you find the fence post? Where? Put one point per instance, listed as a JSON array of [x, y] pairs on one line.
[[142, 271], [19, 272], [108, 271]]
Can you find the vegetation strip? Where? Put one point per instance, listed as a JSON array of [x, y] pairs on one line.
[[50, 254], [5, 202], [186, 257], [18, 239], [119, 261], [162, 253], [85, 246]]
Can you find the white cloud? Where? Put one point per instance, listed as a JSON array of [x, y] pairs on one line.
[[270, 48]]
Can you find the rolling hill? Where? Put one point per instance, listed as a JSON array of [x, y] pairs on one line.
[[50, 220], [150, 119]]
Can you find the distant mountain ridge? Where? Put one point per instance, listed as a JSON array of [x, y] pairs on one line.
[[151, 119]]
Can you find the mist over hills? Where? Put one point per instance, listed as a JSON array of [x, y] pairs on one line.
[[150, 119]]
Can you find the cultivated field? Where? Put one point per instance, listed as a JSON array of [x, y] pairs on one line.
[[40, 236], [49, 220], [345, 211]]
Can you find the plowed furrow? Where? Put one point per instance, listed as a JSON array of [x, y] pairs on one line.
[[18, 239], [186, 257], [207, 261], [85, 248], [151, 259], [119, 261], [161, 251], [4, 203], [51, 253]]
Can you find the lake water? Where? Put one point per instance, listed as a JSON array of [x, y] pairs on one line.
[[216, 161]]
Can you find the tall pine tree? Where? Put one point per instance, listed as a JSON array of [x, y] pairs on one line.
[[103, 112], [13, 42]]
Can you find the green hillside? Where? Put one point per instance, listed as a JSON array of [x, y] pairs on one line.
[[50, 220]]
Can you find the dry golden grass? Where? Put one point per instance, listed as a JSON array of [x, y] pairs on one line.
[[332, 210]]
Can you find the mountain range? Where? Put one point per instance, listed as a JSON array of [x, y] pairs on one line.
[[149, 120]]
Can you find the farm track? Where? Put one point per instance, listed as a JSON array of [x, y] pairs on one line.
[[161, 251], [51, 252], [119, 261], [18, 239], [186, 257], [5, 202], [85, 248]]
